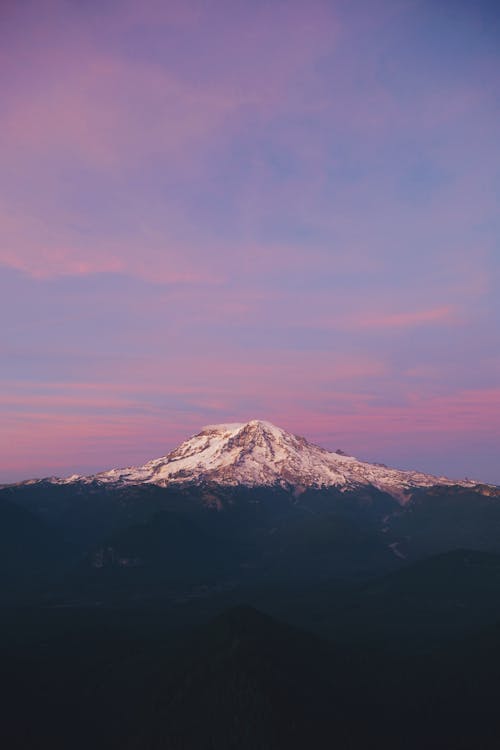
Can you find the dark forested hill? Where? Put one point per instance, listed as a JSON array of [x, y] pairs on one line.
[[242, 680]]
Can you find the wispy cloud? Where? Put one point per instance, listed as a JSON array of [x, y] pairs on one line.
[[212, 213], [407, 319]]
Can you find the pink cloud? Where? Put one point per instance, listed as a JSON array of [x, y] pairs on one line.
[[406, 319], [114, 111], [72, 441], [40, 249], [111, 112], [467, 412]]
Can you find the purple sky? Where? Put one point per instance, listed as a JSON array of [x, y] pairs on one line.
[[218, 211]]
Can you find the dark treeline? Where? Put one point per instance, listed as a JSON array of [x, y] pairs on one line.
[[125, 679]]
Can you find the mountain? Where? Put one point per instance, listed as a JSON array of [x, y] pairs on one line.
[[442, 595], [249, 504], [101, 651], [259, 454], [240, 679], [251, 682], [456, 590]]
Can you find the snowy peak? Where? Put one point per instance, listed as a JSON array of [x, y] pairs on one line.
[[257, 453], [251, 453]]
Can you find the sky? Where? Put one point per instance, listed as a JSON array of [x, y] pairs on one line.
[[214, 211]]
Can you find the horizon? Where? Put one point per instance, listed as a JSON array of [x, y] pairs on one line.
[[216, 210]]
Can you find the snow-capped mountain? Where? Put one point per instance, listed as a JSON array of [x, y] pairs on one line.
[[257, 453]]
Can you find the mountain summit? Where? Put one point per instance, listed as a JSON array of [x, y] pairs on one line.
[[257, 453]]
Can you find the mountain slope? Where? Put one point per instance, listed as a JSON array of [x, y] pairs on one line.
[[447, 593], [241, 680], [258, 453], [31, 552]]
